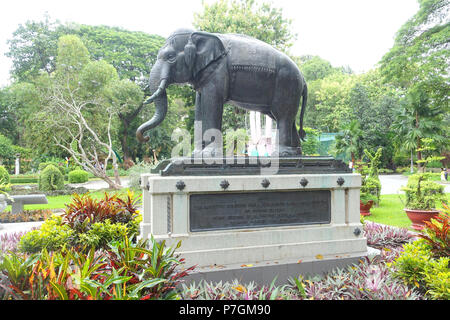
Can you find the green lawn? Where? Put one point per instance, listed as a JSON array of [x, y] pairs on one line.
[[391, 212], [58, 202]]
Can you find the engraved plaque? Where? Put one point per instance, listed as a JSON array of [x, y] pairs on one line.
[[258, 209]]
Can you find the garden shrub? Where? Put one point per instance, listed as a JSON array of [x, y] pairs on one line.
[[87, 222], [102, 233], [51, 179], [4, 176], [422, 194], [126, 271], [44, 165], [418, 268], [52, 235], [78, 176], [436, 232], [25, 179]]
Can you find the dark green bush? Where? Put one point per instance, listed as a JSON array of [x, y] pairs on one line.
[[44, 165], [4, 176], [25, 179], [78, 176], [51, 179]]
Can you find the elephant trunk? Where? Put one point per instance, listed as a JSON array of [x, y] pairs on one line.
[[158, 85]]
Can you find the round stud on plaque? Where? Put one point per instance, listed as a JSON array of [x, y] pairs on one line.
[[148, 186], [357, 231], [180, 185], [304, 182], [265, 183], [224, 184], [340, 181]]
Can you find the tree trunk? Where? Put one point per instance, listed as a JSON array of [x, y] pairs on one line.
[[419, 153]]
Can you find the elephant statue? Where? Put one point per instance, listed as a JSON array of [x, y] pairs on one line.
[[234, 69]]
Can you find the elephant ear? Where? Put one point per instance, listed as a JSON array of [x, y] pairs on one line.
[[203, 49]]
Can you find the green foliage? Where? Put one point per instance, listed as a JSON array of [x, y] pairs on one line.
[[52, 235], [6, 148], [125, 271], [311, 144], [370, 182], [411, 265], [260, 21], [315, 68], [417, 267], [374, 163], [422, 194], [436, 233], [417, 64], [428, 150], [349, 141], [58, 165], [51, 179], [4, 176], [78, 176], [102, 233], [330, 101], [86, 223]]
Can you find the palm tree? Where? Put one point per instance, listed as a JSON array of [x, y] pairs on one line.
[[349, 140], [418, 119]]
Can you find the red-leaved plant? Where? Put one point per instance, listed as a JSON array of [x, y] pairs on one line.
[[126, 271], [436, 233], [84, 210]]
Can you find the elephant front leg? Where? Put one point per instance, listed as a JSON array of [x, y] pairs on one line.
[[208, 139]]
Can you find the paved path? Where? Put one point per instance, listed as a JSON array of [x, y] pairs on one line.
[[391, 183], [99, 184]]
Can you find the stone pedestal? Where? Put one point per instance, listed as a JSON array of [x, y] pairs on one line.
[[289, 224]]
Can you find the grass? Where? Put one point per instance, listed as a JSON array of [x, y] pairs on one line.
[[390, 211], [58, 202]]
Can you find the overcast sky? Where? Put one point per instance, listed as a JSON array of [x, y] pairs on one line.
[[356, 33]]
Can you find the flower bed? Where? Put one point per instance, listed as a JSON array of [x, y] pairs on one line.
[[411, 266]]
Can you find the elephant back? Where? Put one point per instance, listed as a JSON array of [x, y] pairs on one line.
[[248, 52]]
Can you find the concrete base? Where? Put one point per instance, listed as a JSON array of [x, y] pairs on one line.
[[270, 250], [264, 273]]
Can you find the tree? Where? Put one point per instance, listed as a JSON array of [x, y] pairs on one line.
[[349, 141], [262, 21], [315, 68], [416, 120], [33, 49], [81, 109], [418, 64], [331, 102]]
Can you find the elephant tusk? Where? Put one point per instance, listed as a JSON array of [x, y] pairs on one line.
[[162, 86]]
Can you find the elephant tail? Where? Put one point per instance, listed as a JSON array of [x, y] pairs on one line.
[[302, 132]]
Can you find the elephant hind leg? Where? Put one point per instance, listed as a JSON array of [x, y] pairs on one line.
[[295, 137]]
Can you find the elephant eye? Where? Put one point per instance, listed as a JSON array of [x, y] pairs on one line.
[[171, 56]]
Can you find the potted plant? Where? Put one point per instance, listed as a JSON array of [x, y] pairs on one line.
[[370, 183], [366, 201], [421, 197]]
